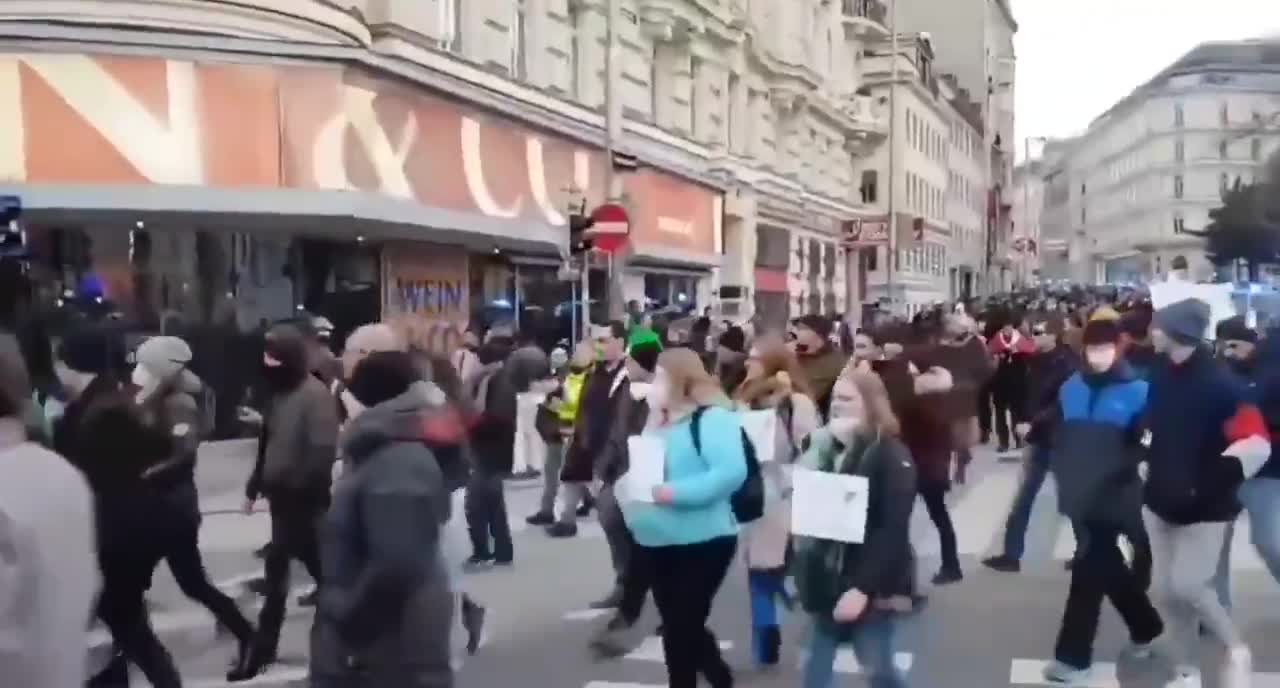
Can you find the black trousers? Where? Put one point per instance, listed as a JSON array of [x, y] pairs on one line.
[[485, 505], [685, 581], [1100, 571], [636, 581], [984, 412], [935, 503], [122, 608], [295, 530]]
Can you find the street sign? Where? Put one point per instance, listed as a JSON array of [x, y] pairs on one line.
[[610, 226], [865, 232]]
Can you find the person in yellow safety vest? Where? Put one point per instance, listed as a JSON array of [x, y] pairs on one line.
[[556, 418]]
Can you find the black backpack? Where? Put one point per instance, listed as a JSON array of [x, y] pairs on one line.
[[748, 500]]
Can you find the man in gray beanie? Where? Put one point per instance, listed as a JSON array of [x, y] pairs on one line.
[[1207, 438]]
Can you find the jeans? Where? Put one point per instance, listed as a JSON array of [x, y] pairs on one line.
[[764, 588], [935, 502], [486, 508], [1261, 499], [1034, 470], [615, 529], [686, 579], [530, 449], [873, 646], [551, 478], [1100, 571]]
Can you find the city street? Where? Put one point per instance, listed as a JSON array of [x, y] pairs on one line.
[[991, 630]]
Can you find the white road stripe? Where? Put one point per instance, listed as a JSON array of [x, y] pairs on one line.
[[650, 650], [585, 614], [1030, 672], [275, 677], [980, 515], [847, 662], [182, 619], [617, 684]]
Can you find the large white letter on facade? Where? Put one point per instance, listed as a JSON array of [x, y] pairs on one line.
[[164, 152], [388, 160]]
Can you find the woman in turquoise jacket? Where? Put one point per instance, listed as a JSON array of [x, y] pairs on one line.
[[685, 526]]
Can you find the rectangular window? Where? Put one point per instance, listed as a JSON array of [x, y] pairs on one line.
[[1177, 186], [1179, 117], [873, 258], [1255, 149], [1179, 151], [1179, 224], [1224, 114], [1224, 181], [1222, 149], [733, 136]]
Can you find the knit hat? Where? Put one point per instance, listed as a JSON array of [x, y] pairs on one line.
[[87, 351], [1235, 329], [1104, 331], [382, 376], [734, 339], [819, 325], [163, 357], [1185, 321], [645, 354]]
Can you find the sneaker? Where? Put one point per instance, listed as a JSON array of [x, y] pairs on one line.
[[1003, 563], [505, 562], [1237, 668], [541, 518], [1057, 672], [585, 508], [610, 601], [562, 530], [477, 562], [308, 598], [946, 577]]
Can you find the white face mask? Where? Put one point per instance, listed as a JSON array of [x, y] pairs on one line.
[[145, 381], [1100, 358]]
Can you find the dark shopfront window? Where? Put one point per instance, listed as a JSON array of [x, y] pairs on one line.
[[214, 288]]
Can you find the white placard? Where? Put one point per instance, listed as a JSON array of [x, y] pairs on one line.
[[647, 460], [762, 429], [1217, 296], [829, 506]]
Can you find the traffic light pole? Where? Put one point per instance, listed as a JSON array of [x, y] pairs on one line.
[[612, 133]]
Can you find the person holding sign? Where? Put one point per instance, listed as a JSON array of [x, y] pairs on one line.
[[774, 382], [687, 531], [855, 487]]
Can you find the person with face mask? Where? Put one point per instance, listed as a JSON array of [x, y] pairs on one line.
[[1047, 369], [846, 588], [1236, 342], [103, 434], [1094, 456], [1207, 438], [296, 453]]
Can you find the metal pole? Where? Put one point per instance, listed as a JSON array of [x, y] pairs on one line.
[[612, 134], [890, 263], [573, 318], [586, 294]]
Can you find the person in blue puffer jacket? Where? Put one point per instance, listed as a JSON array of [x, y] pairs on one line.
[[687, 532]]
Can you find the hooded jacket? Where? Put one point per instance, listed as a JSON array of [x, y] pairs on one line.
[[173, 409], [384, 611], [299, 436], [1095, 450], [1198, 410]]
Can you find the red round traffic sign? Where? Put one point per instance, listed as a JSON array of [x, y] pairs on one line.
[[610, 227]]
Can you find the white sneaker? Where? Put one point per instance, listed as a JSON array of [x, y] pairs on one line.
[[1185, 677], [1237, 668]]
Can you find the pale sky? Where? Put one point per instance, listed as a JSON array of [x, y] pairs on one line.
[[1078, 57]]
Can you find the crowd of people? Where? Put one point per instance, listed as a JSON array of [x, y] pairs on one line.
[[1156, 433]]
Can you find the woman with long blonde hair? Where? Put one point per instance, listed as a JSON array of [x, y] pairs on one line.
[[686, 526], [774, 382], [846, 587]]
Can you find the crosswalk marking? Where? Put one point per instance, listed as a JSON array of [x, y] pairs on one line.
[[1030, 672], [846, 661], [979, 517], [277, 677], [650, 650], [185, 618], [620, 684], [585, 614]]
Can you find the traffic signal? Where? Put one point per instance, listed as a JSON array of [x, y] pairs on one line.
[[13, 241], [579, 242]]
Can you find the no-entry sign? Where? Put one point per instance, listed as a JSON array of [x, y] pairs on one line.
[[610, 227]]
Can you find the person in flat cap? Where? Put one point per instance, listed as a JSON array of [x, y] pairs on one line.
[[1207, 438]]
